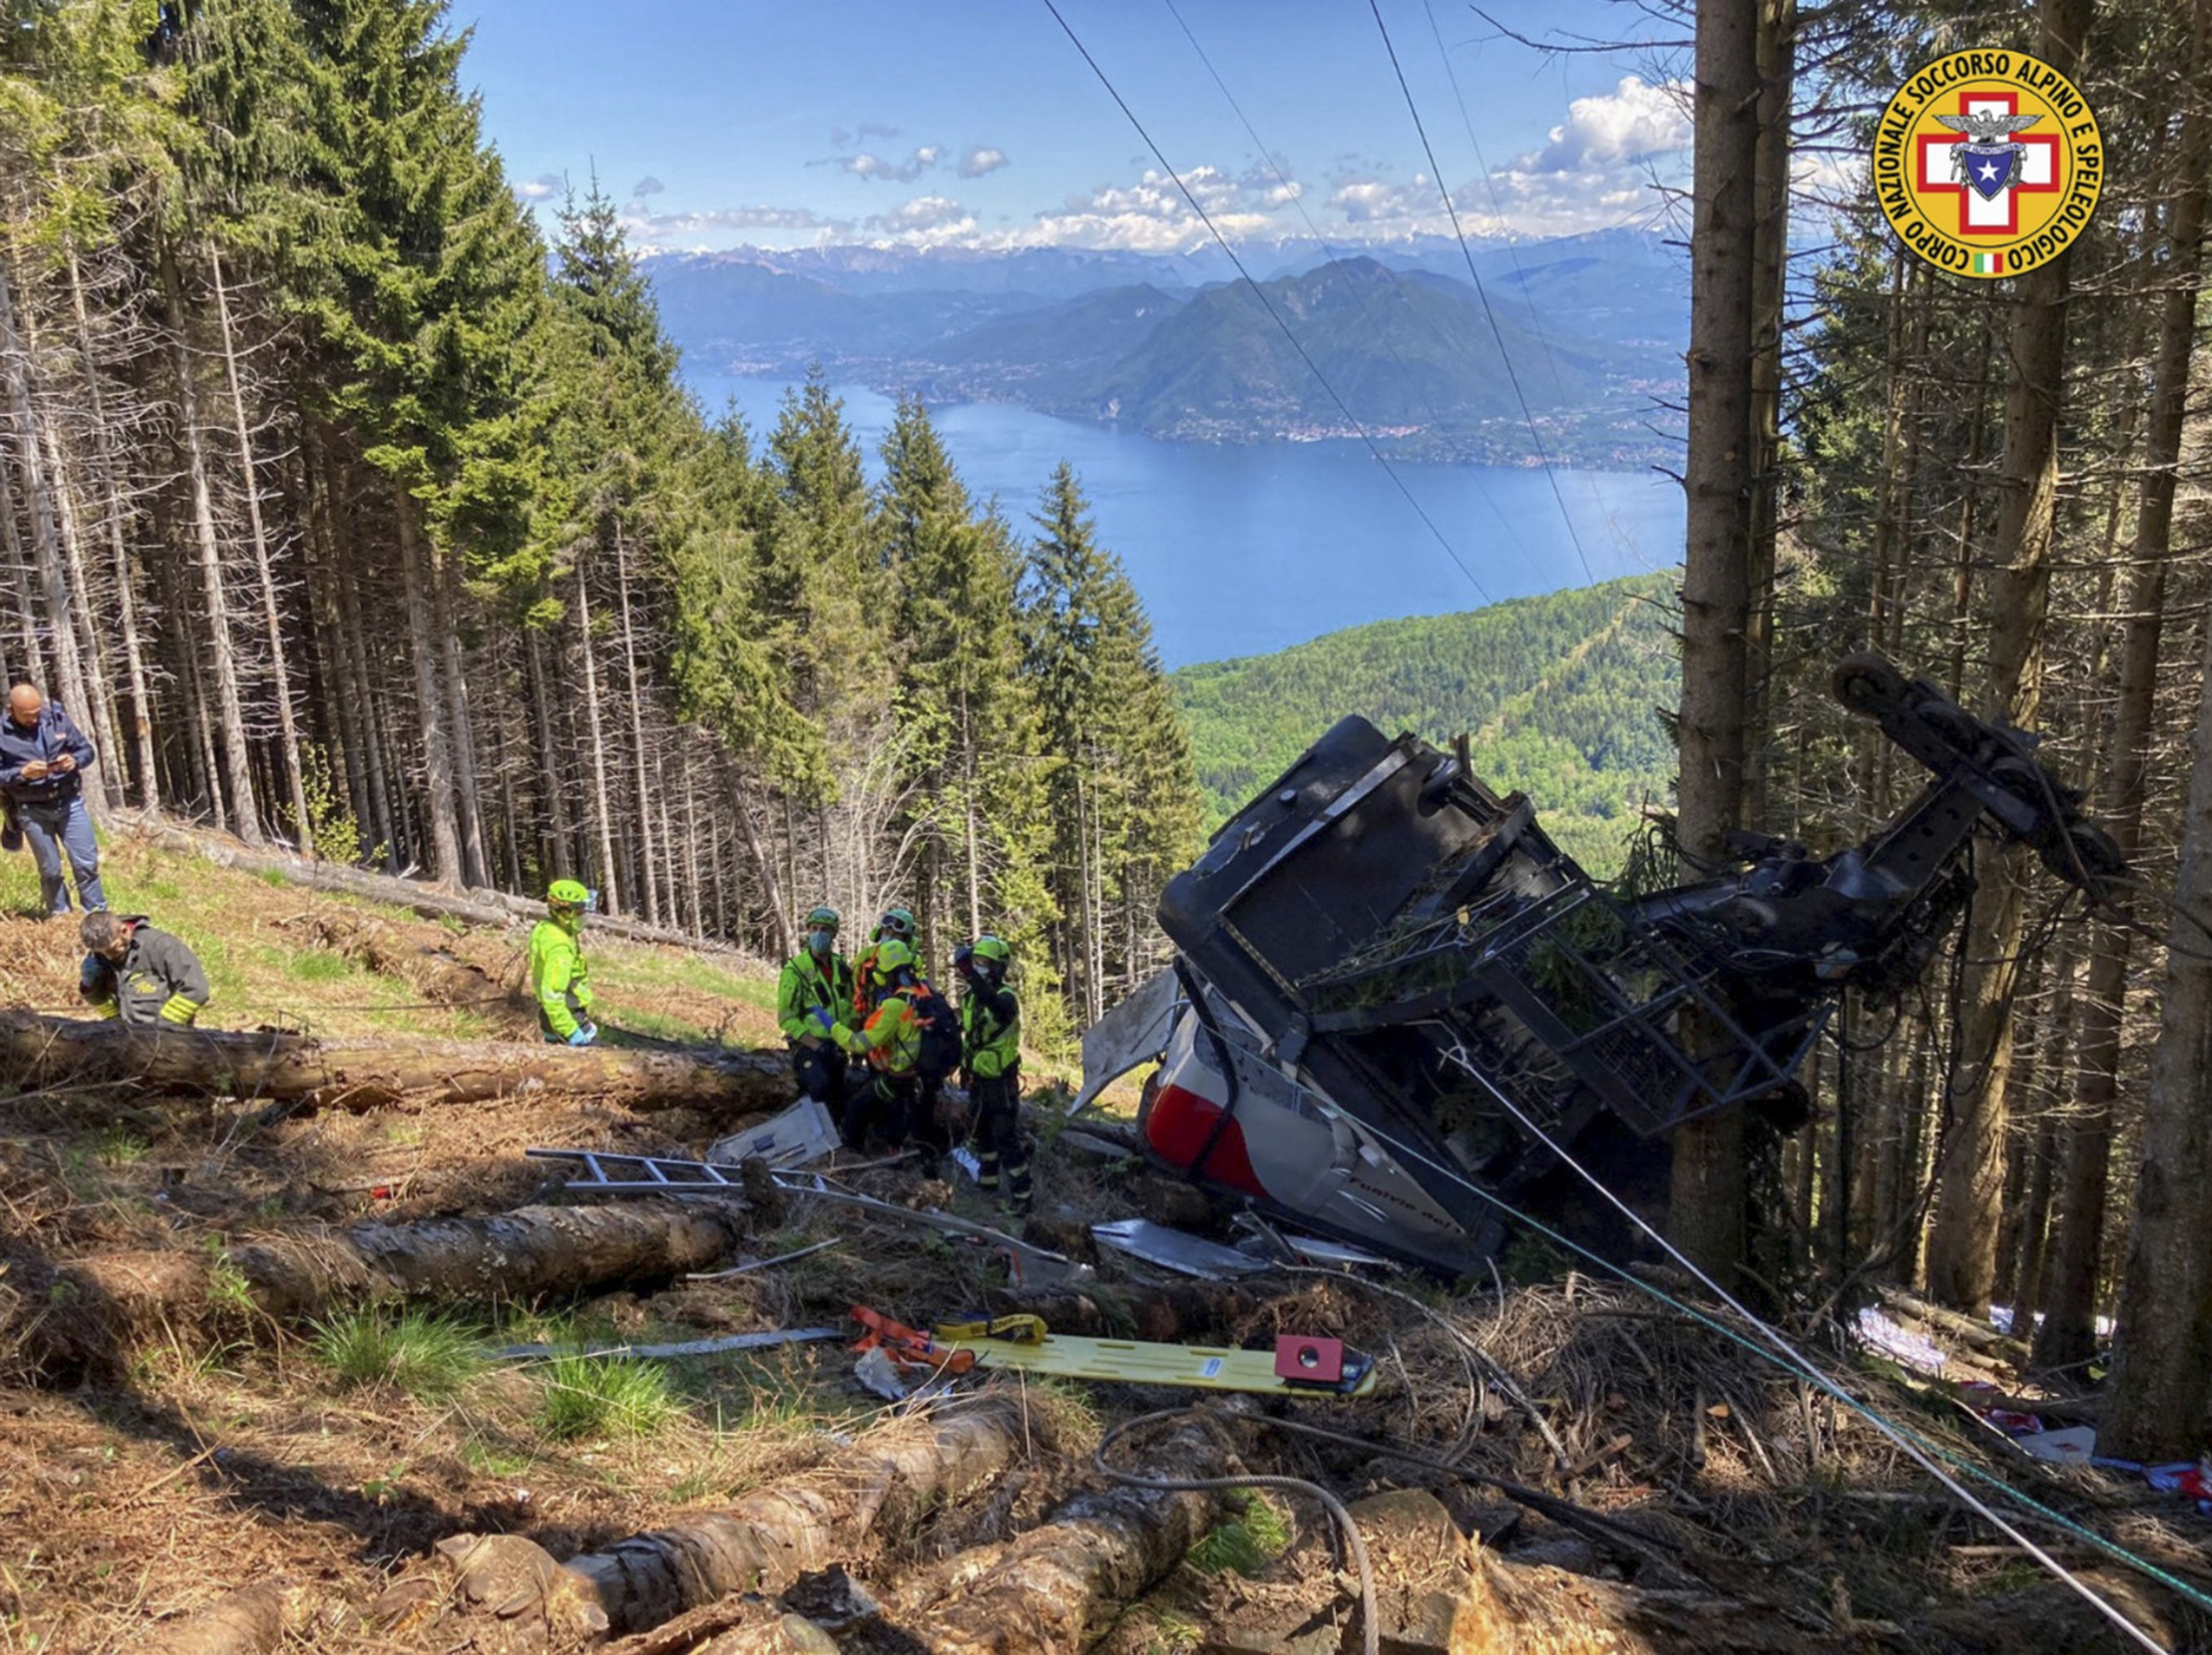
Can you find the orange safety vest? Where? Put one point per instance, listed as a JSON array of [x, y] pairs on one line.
[[893, 1049]]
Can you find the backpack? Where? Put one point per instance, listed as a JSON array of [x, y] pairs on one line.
[[941, 1044]]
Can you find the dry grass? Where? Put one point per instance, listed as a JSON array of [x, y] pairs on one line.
[[227, 1452]]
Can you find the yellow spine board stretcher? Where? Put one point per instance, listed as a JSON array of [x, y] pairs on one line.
[[1204, 1368]]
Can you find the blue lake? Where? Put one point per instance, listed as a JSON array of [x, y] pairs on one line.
[[1241, 551]]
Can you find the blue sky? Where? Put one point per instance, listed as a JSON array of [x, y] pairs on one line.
[[979, 125]]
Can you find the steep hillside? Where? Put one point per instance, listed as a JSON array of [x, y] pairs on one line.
[[1560, 693]]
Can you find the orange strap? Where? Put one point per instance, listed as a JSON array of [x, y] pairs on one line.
[[906, 1346]]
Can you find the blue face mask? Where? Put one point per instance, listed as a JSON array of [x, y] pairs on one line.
[[820, 941]]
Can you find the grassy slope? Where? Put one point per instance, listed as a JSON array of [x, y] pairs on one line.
[[1558, 692], [254, 934]]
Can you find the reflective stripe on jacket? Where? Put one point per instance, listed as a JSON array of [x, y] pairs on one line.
[[160, 980], [890, 1040], [991, 1031], [558, 975], [805, 986]]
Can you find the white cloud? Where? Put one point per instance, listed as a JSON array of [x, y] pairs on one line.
[[543, 186], [647, 185], [1633, 123], [866, 166], [981, 160], [1387, 211], [867, 129], [1151, 216], [1599, 169]]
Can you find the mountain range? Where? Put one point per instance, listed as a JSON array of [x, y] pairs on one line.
[[1396, 341]]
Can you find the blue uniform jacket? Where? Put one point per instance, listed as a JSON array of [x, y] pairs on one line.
[[52, 736]]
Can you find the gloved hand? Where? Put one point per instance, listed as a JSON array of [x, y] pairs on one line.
[[585, 1034]]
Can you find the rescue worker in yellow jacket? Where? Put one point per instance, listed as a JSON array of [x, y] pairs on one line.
[[813, 1000], [898, 924], [138, 973], [991, 1058], [559, 979], [890, 1041]]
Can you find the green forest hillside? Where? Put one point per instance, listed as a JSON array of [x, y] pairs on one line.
[[1558, 692]]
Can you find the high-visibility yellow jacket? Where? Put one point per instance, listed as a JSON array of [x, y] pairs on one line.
[[808, 985], [991, 1031], [890, 1040], [558, 975]]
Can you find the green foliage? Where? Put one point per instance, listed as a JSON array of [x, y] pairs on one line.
[[1560, 695], [417, 1351], [603, 1397], [1248, 1542], [329, 830]]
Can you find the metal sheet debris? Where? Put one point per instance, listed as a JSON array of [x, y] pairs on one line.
[[1135, 1032], [799, 1136], [1175, 1249], [689, 1347]]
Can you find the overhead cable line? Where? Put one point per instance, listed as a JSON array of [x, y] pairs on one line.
[[1495, 332], [1297, 200], [1267, 303], [1498, 209]]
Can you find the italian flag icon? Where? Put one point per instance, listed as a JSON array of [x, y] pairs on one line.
[[1989, 264]]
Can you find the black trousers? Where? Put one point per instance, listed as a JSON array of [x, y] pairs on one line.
[[888, 1103], [998, 1136], [820, 1070]]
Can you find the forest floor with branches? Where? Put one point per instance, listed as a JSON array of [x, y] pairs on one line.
[[184, 1468]]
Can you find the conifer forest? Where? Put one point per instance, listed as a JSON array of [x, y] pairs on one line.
[[360, 515]]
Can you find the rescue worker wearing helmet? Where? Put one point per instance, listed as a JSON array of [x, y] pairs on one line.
[[890, 1041], [898, 924], [991, 1057], [813, 1001], [558, 976]]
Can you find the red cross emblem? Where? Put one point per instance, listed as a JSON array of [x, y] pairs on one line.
[[1935, 168]]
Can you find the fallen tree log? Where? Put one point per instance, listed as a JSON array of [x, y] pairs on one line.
[[432, 973], [53, 1053], [249, 1621], [1052, 1590], [88, 1311], [887, 1479]]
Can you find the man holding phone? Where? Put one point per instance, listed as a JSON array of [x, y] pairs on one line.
[[43, 758]]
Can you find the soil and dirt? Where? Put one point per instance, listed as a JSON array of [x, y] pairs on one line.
[[202, 1450]]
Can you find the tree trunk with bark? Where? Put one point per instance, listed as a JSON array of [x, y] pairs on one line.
[[93, 1311], [1962, 1243], [42, 1053], [221, 658], [280, 674], [888, 1479], [2067, 1335], [1705, 1214]]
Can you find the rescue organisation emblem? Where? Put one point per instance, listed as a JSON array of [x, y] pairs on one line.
[[1988, 163]]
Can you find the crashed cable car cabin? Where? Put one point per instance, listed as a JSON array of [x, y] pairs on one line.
[[1391, 989]]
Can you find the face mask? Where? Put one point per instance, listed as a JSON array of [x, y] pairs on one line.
[[819, 941]]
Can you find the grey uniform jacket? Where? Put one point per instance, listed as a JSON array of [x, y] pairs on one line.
[[159, 972]]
